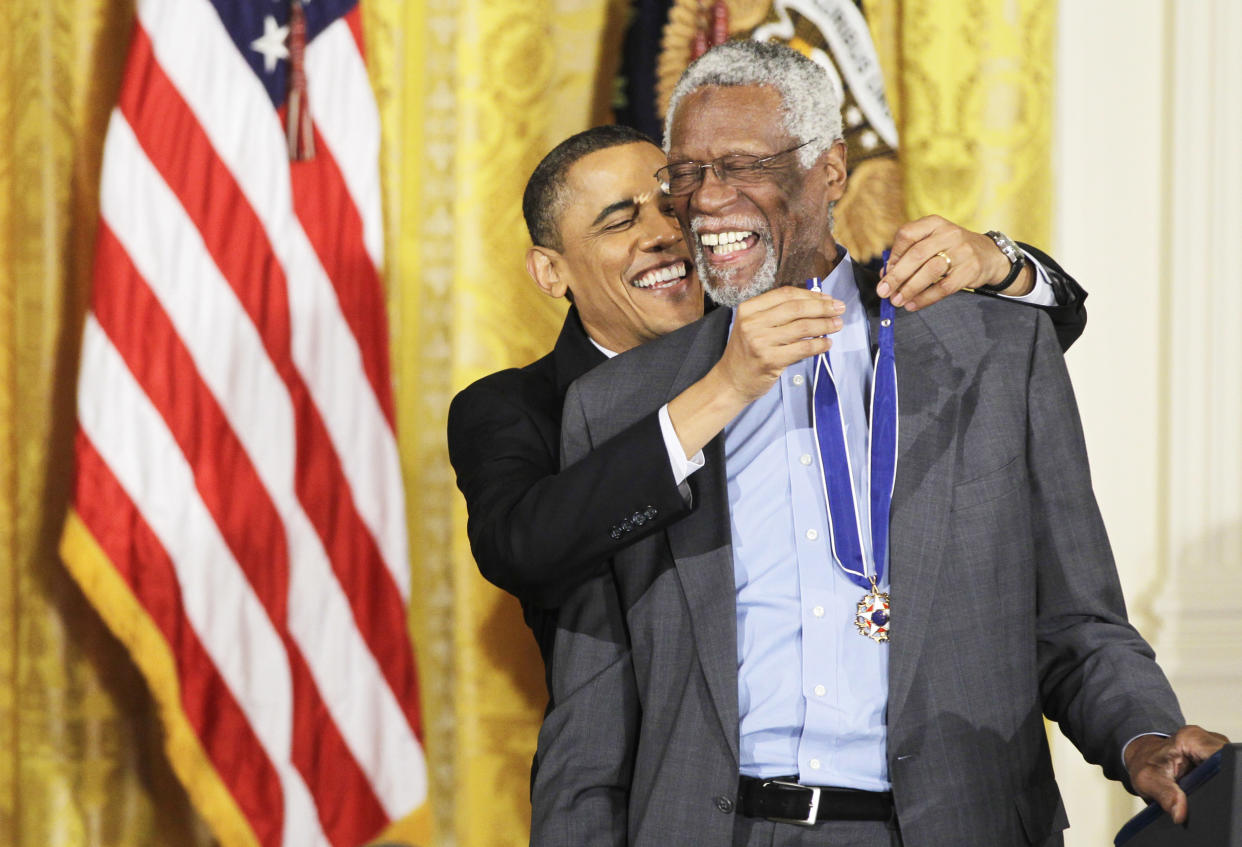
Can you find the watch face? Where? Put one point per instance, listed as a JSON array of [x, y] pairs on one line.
[[1006, 245], [1016, 260]]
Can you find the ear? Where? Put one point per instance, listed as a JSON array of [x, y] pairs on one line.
[[542, 265], [832, 163]]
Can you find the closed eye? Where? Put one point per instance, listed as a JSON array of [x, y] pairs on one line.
[[618, 225]]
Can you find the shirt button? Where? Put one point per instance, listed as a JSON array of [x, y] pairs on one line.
[[818, 611], [811, 535], [798, 380], [814, 763], [805, 458], [723, 804], [820, 691]]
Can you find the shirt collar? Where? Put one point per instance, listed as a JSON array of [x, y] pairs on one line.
[[600, 347], [841, 279]]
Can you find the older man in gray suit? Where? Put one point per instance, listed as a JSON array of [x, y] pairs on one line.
[[733, 679]]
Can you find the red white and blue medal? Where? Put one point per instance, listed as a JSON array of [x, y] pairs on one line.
[[845, 526]]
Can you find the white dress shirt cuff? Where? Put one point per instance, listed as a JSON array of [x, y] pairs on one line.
[[1041, 294], [682, 467]]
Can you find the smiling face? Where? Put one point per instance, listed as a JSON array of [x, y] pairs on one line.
[[622, 255], [750, 238]]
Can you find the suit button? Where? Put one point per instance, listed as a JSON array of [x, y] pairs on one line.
[[626, 526], [651, 512], [723, 804], [638, 518], [615, 533]]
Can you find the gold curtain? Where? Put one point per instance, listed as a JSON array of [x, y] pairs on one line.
[[80, 759], [489, 87], [971, 83], [471, 94]]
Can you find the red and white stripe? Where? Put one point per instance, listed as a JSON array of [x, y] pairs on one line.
[[236, 414]]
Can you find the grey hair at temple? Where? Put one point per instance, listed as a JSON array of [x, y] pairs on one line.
[[810, 107]]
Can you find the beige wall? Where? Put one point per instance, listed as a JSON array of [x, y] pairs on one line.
[[1148, 215]]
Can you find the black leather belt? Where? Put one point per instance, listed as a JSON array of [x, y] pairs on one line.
[[784, 800]]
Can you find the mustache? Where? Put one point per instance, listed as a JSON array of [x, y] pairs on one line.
[[739, 222]]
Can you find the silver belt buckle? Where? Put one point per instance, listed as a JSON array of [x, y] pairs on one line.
[[811, 814]]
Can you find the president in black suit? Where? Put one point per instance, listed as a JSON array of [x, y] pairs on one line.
[[605, 238]]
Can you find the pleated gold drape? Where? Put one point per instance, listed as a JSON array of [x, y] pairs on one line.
[[973, 93], [80, 759], [471, 94]]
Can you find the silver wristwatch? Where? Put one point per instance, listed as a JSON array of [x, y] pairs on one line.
[[1017, 261]]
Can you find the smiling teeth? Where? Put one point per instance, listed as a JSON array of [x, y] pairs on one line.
[[661, 275], [725, 242]]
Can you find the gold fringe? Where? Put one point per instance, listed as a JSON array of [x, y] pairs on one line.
[[129, 621], [414, 829], [683, 20], [871, 210], [674, 50]]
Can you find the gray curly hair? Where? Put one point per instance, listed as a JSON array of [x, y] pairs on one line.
[[810, 107]]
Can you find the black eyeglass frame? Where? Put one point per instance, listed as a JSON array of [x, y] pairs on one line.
[[744, 174]]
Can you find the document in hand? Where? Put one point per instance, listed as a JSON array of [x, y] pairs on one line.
[[1214, 790]]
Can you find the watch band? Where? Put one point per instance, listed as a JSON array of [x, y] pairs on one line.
[[1017, 261]]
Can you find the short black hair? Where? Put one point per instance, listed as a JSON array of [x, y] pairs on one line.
[[545, 195]]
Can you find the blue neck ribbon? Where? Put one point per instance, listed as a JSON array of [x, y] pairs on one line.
[[843, 520]]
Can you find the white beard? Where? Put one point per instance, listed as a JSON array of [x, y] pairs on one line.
[[721, 284]]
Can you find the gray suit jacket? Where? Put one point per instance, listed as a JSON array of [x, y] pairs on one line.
[[1006, 607]]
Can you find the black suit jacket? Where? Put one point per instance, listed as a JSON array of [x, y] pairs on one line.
[[536, 531], [539, 532]]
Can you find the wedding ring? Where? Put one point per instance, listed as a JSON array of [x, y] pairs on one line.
[[948, 263]]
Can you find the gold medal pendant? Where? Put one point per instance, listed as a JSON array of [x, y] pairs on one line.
[[873, 614]]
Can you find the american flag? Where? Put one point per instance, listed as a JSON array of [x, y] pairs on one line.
[[238, 515]]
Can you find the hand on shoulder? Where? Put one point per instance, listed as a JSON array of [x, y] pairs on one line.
[[932, 258]]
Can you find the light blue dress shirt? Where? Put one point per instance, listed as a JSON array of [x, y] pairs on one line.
[[812, 691]]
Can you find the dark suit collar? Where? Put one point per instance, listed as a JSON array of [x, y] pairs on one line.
[[574, 354], [707, 338], [930, 384], [700, 542]]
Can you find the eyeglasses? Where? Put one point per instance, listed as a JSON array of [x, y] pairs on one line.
[[682, 178]]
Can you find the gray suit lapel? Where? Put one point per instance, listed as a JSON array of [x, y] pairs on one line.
[[928, 399], [701, 545]]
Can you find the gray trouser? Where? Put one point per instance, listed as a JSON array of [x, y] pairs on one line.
[[751, 832]]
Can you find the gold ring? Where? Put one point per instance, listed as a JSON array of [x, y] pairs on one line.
[[948, 263]]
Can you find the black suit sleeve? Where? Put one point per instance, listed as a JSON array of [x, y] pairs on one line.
[[1069, 315], [539, 533]]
